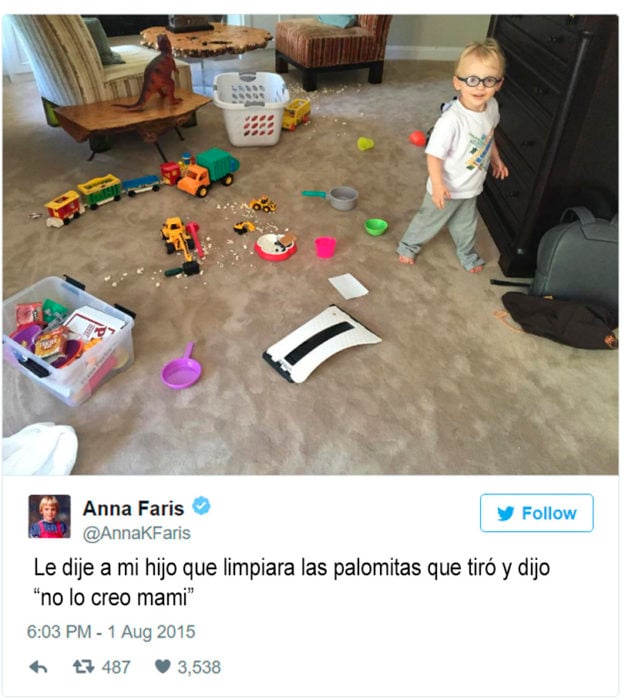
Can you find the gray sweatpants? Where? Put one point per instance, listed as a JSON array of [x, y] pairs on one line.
[[460, 217]]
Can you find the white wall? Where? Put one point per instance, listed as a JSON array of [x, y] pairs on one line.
[[424, 37], [14, 60], [434, 37]]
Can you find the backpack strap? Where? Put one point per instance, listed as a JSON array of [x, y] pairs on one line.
[[582, 213], [507, 283]]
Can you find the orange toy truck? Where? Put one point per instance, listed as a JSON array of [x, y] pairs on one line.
[[211, 165]]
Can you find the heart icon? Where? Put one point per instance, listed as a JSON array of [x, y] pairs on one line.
[[162, 665]]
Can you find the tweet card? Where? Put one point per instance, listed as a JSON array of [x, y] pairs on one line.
[[310, 587], [217, 483]]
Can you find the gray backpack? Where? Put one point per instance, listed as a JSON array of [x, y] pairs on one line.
[[578, 260]]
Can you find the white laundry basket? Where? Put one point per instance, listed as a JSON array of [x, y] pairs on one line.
[[253, 104]]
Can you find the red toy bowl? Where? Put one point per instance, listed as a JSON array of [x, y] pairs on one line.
[[270, 247]]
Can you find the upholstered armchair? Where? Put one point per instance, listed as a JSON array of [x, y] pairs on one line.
[[68, 66], [313, 47]]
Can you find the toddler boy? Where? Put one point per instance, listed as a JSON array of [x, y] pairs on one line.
[[460, 150]]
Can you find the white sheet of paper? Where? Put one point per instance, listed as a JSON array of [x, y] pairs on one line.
[[348, 286]]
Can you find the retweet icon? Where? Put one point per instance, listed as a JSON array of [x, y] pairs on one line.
[[505, 513]]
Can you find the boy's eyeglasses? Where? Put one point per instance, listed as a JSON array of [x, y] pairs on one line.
[[474, 81]]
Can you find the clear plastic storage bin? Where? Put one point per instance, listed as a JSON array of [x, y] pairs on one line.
[[76, 382], [252, 104]]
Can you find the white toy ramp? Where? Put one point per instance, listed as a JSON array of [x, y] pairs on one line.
[[297, 355]]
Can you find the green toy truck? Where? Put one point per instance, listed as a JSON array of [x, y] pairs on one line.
[[210, 166]]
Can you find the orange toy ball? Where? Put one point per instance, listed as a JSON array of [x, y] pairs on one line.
[[418, 138]]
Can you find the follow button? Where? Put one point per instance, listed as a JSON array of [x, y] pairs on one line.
[[537, 512]]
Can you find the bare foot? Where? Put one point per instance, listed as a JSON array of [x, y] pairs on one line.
[[475, 270], [405, 260]]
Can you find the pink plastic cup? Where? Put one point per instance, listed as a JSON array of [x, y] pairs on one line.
[[325, 246]]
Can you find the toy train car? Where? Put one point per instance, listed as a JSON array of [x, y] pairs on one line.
[[141, 184], [101, 190], [64, 208]]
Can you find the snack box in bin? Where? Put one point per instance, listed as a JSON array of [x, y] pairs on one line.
[[76, 382]]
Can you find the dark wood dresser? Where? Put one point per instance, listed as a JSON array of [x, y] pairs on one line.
[[558, 132]]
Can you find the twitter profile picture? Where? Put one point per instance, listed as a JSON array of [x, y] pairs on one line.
[[49, 516]]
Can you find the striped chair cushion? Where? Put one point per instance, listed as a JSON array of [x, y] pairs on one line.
[[313, 44], [67, 67]]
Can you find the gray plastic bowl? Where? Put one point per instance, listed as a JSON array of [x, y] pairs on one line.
[[343, 198]]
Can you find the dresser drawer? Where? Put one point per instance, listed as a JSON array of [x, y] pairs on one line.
[[539, 92], [511, 196], [557, 34], [540, 42], [526, 131]]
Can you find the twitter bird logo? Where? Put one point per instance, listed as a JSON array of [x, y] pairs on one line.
[[505, 513]]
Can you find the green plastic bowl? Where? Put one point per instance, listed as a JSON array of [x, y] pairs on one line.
[[375, 227]]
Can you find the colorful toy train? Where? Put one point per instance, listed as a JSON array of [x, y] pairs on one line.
[[215, 163], [96, 192]]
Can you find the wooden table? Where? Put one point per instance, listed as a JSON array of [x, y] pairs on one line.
[[222, 39], [96, 121]]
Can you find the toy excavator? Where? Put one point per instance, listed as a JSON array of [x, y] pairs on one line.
[[179, 238], [263, 203], [244, 227]]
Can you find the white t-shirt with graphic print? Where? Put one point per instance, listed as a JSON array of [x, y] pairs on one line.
[[462, 139]]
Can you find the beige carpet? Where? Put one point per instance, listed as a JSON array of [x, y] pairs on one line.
[[449, 390]]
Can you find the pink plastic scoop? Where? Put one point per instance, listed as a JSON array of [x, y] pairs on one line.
[[183, 371]]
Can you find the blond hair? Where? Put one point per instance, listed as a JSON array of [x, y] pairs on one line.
[[487, 51], [48, 501]]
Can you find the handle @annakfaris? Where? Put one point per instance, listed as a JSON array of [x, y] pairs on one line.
[[314, 193]]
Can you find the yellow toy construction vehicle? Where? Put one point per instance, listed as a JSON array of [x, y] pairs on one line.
[[296, 112], [177, 238], [263, 203], [244, 227]]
